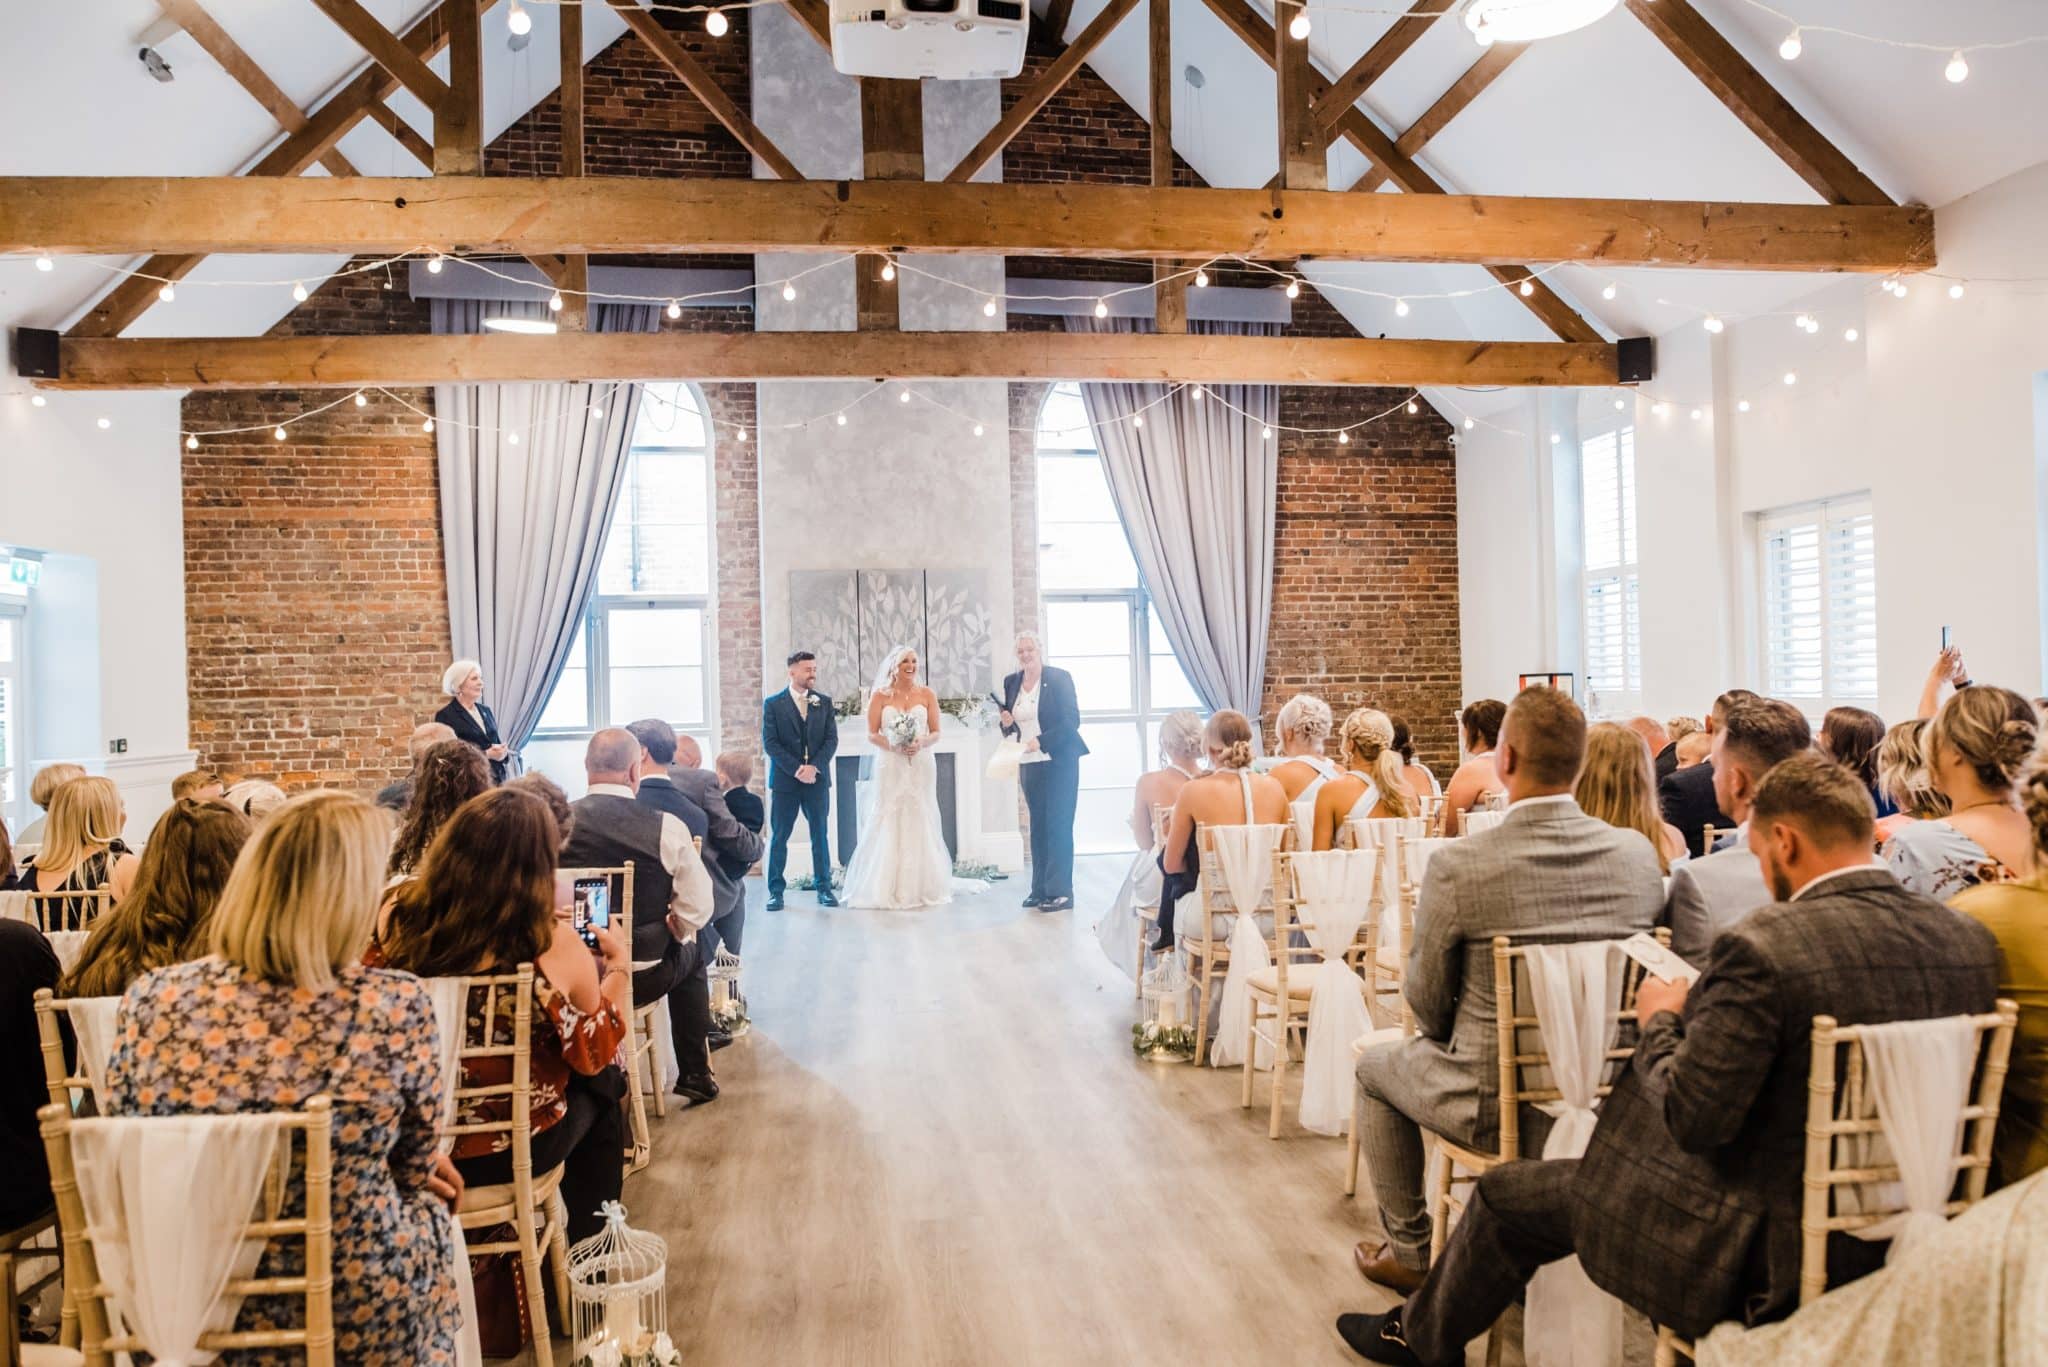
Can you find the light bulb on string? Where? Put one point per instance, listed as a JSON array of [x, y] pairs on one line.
[[979, 429], [277, 434], [1957, 69], [743, 434], [1556, 438], [1528, 287], [1712, 324], [1343, 438], [1294, 289], [1469, 424], [888, 268], [44, 263], [511, 438], [38, 400], [1297, 27], [1696, 415], [1955, 291], [1400, 308], [1899, 288], [788, 292], [988, 307], [1414, 407], [555, 302], [1102, 308], [1791, 377], [1137, 419], [1801, 321], [716, 24], [427, 425], [1608, 291], [434, 265], [675, 310], [167, 292], [1662, 410], [517, 21], [1742, 407], [597, 412], [362, 399], [1791, 47], [1851, 335], [1619, 405], [191, 443], [1201, 393], [1265, 434], [1201, 278], [299, 291], [903, 396], [840, 418]]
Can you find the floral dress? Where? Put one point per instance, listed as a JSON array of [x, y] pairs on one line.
[[205, 1037]]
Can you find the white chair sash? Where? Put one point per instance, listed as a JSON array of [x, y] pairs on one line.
[[1569, 1322], [1117, 931], [1383, 834], [93, 1026], [451, 1014], [1246, 856], [1920, 1079], [1336, 891], [167, 1203], [68, 944], [14, 906], [1477, 821]]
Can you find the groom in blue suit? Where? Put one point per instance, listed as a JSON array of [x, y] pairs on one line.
[[800, 734]]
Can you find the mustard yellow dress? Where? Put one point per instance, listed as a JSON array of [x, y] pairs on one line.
[[2017, 914]]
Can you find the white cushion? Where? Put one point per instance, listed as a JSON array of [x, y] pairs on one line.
[[1267, 980], [1386, 1034]]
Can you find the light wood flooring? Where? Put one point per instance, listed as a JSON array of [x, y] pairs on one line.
[[936, 1147]]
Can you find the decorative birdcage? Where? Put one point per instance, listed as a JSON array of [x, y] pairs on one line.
[[1167, 1033], [618, 1283], [728, 1005]]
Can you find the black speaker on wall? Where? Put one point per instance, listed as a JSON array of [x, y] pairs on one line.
[[1637, 358], [35, 353]]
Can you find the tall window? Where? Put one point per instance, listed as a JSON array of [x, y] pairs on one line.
[[646, 648], [1818, 568], [1613, 622], [1099, 624]]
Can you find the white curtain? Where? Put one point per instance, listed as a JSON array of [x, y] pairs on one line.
[[522, 523], [1569, 1322], [1195, 487], [451, 1022], [1246, 856], [167, 1203], [1336, 891]]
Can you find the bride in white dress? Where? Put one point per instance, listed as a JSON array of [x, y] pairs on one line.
[[901, 860]]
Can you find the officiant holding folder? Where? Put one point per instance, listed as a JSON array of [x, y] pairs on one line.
[[1041, 712]]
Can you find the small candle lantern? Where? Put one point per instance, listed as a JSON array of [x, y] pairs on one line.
[[728, 1006], [618, 1283], [1167, 1032]]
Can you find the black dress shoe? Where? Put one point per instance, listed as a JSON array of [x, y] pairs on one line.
[[1033, 900], [1377, 1338], [718, 1037], [698, 1091], [826, 899], [775, 901], [1057, 904]]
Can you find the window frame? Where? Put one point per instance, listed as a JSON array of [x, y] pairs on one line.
[[1826, 516], [1625, 573]]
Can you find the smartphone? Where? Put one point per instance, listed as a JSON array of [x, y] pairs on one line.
[[1947, 638], [591, 909]]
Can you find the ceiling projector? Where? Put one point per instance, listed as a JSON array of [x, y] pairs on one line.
[[950, 40]]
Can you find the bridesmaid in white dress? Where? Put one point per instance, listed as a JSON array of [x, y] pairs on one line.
[[1304, 725], [901, 861], [1180, 754], [1373, 784]]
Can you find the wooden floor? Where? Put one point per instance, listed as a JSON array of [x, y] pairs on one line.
[[935, 1146]]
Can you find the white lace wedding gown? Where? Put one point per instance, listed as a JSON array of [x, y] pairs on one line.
[[901, 860]]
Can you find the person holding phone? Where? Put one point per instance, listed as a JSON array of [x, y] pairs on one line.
[[485, 901]]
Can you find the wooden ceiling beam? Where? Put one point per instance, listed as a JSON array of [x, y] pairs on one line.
[[1453, 102], [816, 19], [360, 361], [1035, 96], [574, 282], [700, 82], [459, 117], [1372, 64], [1169, 289], [120, 306], [410, 138], [1303, 154], [1057, 15], [386, 50], [232, 58], [892, 148], [1755, 101], [113, 216]]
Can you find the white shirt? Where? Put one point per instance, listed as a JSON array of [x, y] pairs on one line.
[[1838, 873], [690, 899], [1025, 714], [1539, 801]]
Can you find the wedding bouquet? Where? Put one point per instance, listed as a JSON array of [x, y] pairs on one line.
[[902, 730]]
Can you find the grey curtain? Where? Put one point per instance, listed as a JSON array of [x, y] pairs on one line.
[[1195, 487], [523, 523]]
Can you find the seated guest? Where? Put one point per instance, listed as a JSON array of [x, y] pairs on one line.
[[1304, 725], [283, 1010], [1663, 745], [1903, 778], [1687, 795], [735, 770], [41, 789], [1688, 1201], [1477, 779], [396, 797], [1373, 784], [1618, 785], [484, 902], [1230, 794], [1547, 872], [2017, 914], [1417, 776], [1977, 746], [201, 785], [672, 897], [82, 849], [165, 918], [452, 773], [1712, 892], [255, 798], [471, 721], [1678, 728], [727, 838], [27, 966], [1850, 736], [536, 784], [1696, 749], [1180, 757]]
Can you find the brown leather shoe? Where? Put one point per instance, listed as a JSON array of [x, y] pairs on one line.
[[1378, 1265]]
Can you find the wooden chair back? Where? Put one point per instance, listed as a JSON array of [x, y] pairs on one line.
[[1836, 1117], [82, 1280], [51, 912], [1709, 833], [489, 1034], [66, 1087]]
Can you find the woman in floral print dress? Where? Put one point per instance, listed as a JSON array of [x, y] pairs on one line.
[[283, 1011]]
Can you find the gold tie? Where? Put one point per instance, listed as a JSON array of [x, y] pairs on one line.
[[803, 705]]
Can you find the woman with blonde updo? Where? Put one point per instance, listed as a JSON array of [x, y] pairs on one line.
[[1976, 748], [82, 849], [1180, 757], [1230, 794], [1374, 784], [1304, 725]]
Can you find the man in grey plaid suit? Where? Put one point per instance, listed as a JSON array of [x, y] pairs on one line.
[[1548, 872], [1687, 1203]]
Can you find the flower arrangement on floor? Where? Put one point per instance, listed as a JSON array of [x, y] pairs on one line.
[[1165, 1035], [618, 1283], [978, 868], [728, 1005]]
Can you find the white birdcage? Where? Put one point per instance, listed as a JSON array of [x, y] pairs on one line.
[[618, 1282], [728, 1006], [1167, 1033]]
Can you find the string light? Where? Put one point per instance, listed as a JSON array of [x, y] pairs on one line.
[[517, 21], [1609, 291], [1266, 434], [1712, 323], [44, 263], [1791, 47], [427, 426], [1556, 438], [988, 307], [299, 291], [1618, 405], [1851, 335], [362, 399], [434, 265], [716, 24], [1297, 27], [1791, 377], [788, 292], [1527, 288], [168, 293], [1102, 308], [555, 302], [1343, 438], [1742, 407], [743, 434], [1137, 419], [1469, 424], [888, 268], [675, 310], [1662, 410], [1414, 407], [38, 400], [191, 443], [1957, 69], [277, 434], [1201, 393], [105, 423], [1400, 308], [841, 418], [597, 412], [1955, 291], [1801, 321], [1294, 289], [979, 429], [1201, 278], [903, 397]]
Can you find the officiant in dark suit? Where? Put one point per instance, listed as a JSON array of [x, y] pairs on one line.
[[800, 735], [1040, 709], [466, 715]]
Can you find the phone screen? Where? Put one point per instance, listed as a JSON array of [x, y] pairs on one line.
[[592, 908], [1947, 638]]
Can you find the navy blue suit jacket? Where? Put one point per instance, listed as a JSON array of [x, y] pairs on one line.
[[1059, 712], [793, 740]]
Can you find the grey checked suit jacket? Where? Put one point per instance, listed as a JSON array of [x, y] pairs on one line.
[[1709, 895], [1687, 1202], [723, 834], [1548, 872]]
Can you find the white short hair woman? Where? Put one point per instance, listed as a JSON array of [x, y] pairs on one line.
[[466, 715], [1180, 756]]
